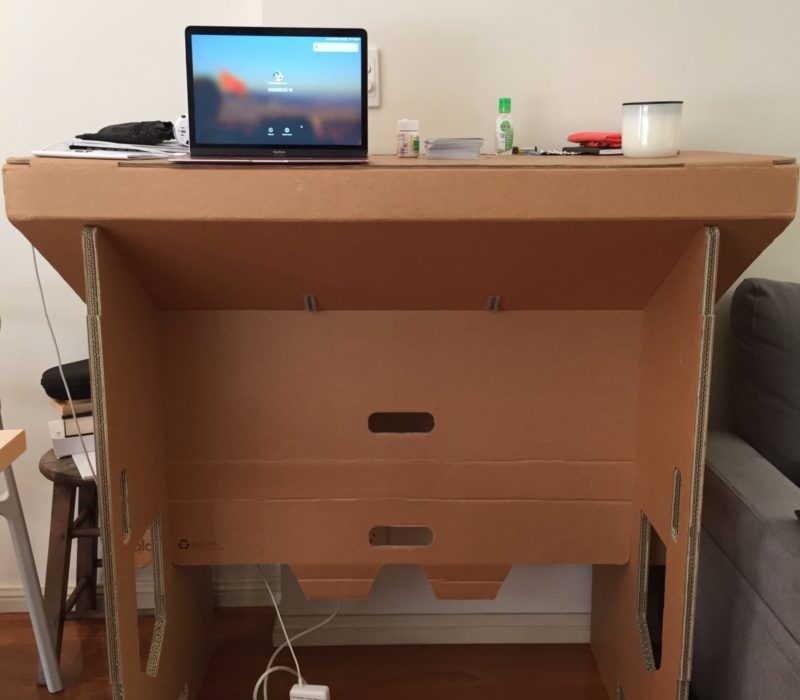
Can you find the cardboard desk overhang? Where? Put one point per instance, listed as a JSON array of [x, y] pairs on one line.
[[234, 426]]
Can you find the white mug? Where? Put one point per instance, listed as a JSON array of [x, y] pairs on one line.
[[651, 129]]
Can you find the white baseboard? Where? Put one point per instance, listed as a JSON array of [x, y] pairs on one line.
[[228, 593], [369, 629], [483, 628]]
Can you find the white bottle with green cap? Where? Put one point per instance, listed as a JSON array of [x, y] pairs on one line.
[[504, 128]]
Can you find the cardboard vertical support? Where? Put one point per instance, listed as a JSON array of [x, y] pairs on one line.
[[676, 348], [126, 380]]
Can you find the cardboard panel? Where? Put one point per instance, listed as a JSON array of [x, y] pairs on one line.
[[533, 423], [670, 435], [335, 532], [126, 380], [397, 265], [567, 427], [158, 214], [358, 479], [301, 386]]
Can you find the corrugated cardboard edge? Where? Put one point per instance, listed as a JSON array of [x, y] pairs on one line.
[[645, 640], [698, 470], [681, 341], [182, 595], [101, 459]]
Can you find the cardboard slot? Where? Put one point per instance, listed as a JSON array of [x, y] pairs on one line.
[[400, 536], [309, 302], [151, 576], [124, 506], [620, 693], [493, 302], [400, 422], [651, 589], [676, 504]]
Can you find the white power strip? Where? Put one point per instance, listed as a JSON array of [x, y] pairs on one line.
[[309, 692]]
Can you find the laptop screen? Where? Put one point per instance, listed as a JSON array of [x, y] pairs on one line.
[[276, 90]]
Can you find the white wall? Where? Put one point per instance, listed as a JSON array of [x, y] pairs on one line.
[[567, 67], [71, 67]]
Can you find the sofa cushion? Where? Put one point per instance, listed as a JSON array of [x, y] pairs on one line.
[[748, 510], [765, 323], [741, 650]]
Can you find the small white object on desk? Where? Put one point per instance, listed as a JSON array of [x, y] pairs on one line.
[[106, 150], [454, 148], [651, 129]]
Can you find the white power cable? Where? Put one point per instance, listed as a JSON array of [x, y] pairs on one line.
[[263, 678], [60, 366], [300, 635], [283, 627]]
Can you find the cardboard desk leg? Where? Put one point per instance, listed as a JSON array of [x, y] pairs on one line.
[[124, 341], [642, 641]]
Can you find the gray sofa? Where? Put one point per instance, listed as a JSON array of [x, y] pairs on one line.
[[747, 632]]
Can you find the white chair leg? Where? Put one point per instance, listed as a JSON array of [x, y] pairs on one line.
[[11, 509]]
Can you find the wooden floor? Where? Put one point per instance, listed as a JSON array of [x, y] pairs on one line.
[[541, 672]]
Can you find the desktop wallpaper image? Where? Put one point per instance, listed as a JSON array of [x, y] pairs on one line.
[[277, 90]]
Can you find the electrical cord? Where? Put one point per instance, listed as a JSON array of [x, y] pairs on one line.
[[293, 639], [60, 366], [263, 678]]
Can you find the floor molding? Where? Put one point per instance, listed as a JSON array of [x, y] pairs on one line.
[[228, 593], [484, 628], [375, 629]]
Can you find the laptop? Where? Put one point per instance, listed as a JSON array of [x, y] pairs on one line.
[[276, 95]]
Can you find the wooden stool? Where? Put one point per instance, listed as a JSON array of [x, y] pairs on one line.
[[69, 486]]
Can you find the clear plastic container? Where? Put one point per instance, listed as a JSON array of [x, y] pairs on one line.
[[504, 128], [408, 138]]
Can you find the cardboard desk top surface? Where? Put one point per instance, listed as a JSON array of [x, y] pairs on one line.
[[751, 197]]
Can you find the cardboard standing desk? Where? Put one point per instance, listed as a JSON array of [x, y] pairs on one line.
[[461, 366]]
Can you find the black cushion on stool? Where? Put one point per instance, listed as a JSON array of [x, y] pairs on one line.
[[78, 380]]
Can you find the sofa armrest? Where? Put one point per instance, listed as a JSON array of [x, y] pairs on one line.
[[749, 512], [767, 494]]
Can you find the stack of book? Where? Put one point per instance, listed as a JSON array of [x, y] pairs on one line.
[[72, 434], [67, 431], [455, 149]]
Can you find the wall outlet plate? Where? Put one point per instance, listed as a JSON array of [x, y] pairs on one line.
[[373, 77]]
